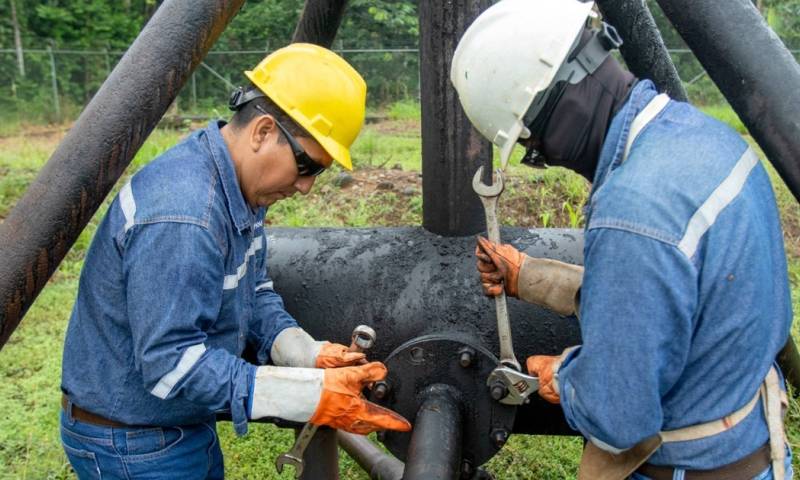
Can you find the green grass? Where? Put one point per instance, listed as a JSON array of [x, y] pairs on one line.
[[404, 110], [725, 114], [30, 364]]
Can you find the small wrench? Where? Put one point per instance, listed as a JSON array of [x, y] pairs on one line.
[[489, 195], [362, 339]]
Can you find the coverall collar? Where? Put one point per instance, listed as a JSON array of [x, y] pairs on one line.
[[241, 214], [614, 143]]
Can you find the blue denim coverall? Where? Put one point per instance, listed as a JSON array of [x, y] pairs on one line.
[[685, 300], [173, 286]]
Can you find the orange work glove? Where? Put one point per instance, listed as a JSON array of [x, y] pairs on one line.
[[341, 405], [499, 265], [544, 367], [334, 355]]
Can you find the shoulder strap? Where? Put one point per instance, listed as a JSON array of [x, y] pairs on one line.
[[643, 118]]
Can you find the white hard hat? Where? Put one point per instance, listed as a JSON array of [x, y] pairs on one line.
[[514, 51]]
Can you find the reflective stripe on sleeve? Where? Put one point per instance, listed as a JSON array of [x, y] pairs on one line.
[[721, 197], [190, 356], [232, 281], [127, 204]]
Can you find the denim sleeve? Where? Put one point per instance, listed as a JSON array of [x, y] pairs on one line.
[[637, 304], [269, 315], [174, 274]]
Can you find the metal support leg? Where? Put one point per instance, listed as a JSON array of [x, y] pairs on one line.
[[322, 456], [379, 465]]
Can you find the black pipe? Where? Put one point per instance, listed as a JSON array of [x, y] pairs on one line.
[[56, 207], [407, 282], [434, 452], [319, 22], [451, 149], [752, 67], [643, 48], [760, 79], [378, 464], [321, 457]]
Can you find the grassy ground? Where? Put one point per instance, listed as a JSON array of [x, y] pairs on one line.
[[386, 190]]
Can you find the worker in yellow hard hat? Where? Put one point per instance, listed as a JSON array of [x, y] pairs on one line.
[[176, 284]]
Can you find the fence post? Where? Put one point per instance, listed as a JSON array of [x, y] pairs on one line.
[[108, 62], [194, 92], [56, 103]]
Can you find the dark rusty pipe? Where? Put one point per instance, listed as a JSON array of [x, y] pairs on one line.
[[408, 282], [760, 79], [59, 203], [643, 48], [319, 22], [451, 149], [435, 449], [378, 464]]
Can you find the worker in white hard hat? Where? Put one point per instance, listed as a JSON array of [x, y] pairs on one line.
[[176, 284], [683, 299]]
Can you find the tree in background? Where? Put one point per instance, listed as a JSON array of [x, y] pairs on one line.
[[261, 26]]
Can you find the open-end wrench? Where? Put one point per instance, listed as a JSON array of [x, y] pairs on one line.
[[362, 339], [489, 195]]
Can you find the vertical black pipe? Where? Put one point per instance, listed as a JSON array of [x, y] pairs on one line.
[[59, 203], [321, 458], [434, 452], [378, 464], [752, 67], [319, 22], [643, 48], [451, 149]]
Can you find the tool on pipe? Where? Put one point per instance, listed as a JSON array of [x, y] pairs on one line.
[[507, 383], [362, 339]]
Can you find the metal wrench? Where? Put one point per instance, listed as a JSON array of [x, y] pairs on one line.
[[362, 339], [489, 195]]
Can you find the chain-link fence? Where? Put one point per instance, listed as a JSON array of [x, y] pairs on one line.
[[57, 82]]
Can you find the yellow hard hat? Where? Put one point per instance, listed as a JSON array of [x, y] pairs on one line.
[[319, 90]]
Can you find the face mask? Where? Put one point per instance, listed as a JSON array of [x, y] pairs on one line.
[[571, 130]]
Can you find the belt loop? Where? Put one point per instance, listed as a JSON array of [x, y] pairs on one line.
[[68, 412]]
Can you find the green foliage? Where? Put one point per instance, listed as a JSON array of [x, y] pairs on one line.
[[725, 114], [405, 110]]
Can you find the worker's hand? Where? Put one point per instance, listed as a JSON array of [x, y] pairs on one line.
[[342, 406], [499, 265], [334, 355], [544, 366]]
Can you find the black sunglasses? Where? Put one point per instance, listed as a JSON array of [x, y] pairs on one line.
[[306, 166]]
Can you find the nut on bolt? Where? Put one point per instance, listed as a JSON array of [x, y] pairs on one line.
[[466, 356], [499, 437], [467, 470], [498, 390], [380, 390]]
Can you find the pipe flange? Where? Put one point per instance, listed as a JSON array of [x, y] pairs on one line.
[[441, 359]]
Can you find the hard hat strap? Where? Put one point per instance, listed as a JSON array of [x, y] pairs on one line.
[[585, 62], [240, 96]]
